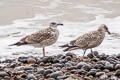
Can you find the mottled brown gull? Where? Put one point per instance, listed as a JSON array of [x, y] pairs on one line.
[[89, 40], [41, 38]]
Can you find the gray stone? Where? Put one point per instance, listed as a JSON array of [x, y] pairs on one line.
[[40, 71], [117, 66], [86, 67], [118, 56], [68, 58], [31, 76], [113, 78], [108, 66], [92, 72], [103, 56], [117, 73], [47, 59], [62, 77], [103, 77], [100, 73], [58, 65], [48, 71], [23, 59], [72, 68], [56, 74], [3, 74], [98, 66], [24, 76], [81, 72], [90, 55], [71, 54], [79, 65]]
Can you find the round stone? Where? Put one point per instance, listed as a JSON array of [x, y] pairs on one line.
[[79, 65], [117, 66], [48, 71], [56, 74], [117, 73], [103, 77], [82, 72]]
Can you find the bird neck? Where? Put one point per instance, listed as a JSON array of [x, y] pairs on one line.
[[101, 31], [53, 27]]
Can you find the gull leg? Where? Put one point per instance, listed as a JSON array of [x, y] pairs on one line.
[[92, 53], [43, 51], [84, 53], [81, 59]]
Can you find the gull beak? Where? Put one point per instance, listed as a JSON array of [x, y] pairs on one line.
[[109, 32], [60, 24]]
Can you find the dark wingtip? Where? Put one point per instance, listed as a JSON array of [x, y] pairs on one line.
[[18, 44], [67, 49], [62, 46]]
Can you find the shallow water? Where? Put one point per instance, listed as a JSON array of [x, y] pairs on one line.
[[19, 18]]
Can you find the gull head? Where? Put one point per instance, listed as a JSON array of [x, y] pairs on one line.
[[54, 25], [104, 28]]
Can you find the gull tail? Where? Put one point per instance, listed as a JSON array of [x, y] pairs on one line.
[[18, 44], [70, 48]]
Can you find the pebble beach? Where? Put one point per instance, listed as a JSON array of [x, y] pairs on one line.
[[62, 67]]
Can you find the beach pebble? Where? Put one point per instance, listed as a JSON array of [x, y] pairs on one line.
[[92, 72], [103, 56], [24, 76], [71, 54], [113, 78], [47, 59], [62, 77], [68, 58], [80, 64], [60, 56], [99, 66], [8, 61], [117, 66], [71, 68], [109, 66], [55, 60], [86, 67], [6, 78], [48, 71], [52, 79], [31, 76], [56, 74], [58, 65], [99, 73], [3, 74], [118, 55], [81, 72], [23, 59], [63, 61], [103, 77], [90, 55], [40, 71], [31, 60], [117, 73]]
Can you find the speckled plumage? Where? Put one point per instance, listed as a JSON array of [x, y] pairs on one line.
[[89, 40], [41, 38]]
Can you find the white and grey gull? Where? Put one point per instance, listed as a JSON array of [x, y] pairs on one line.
[[42, 38], [88, 41]]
